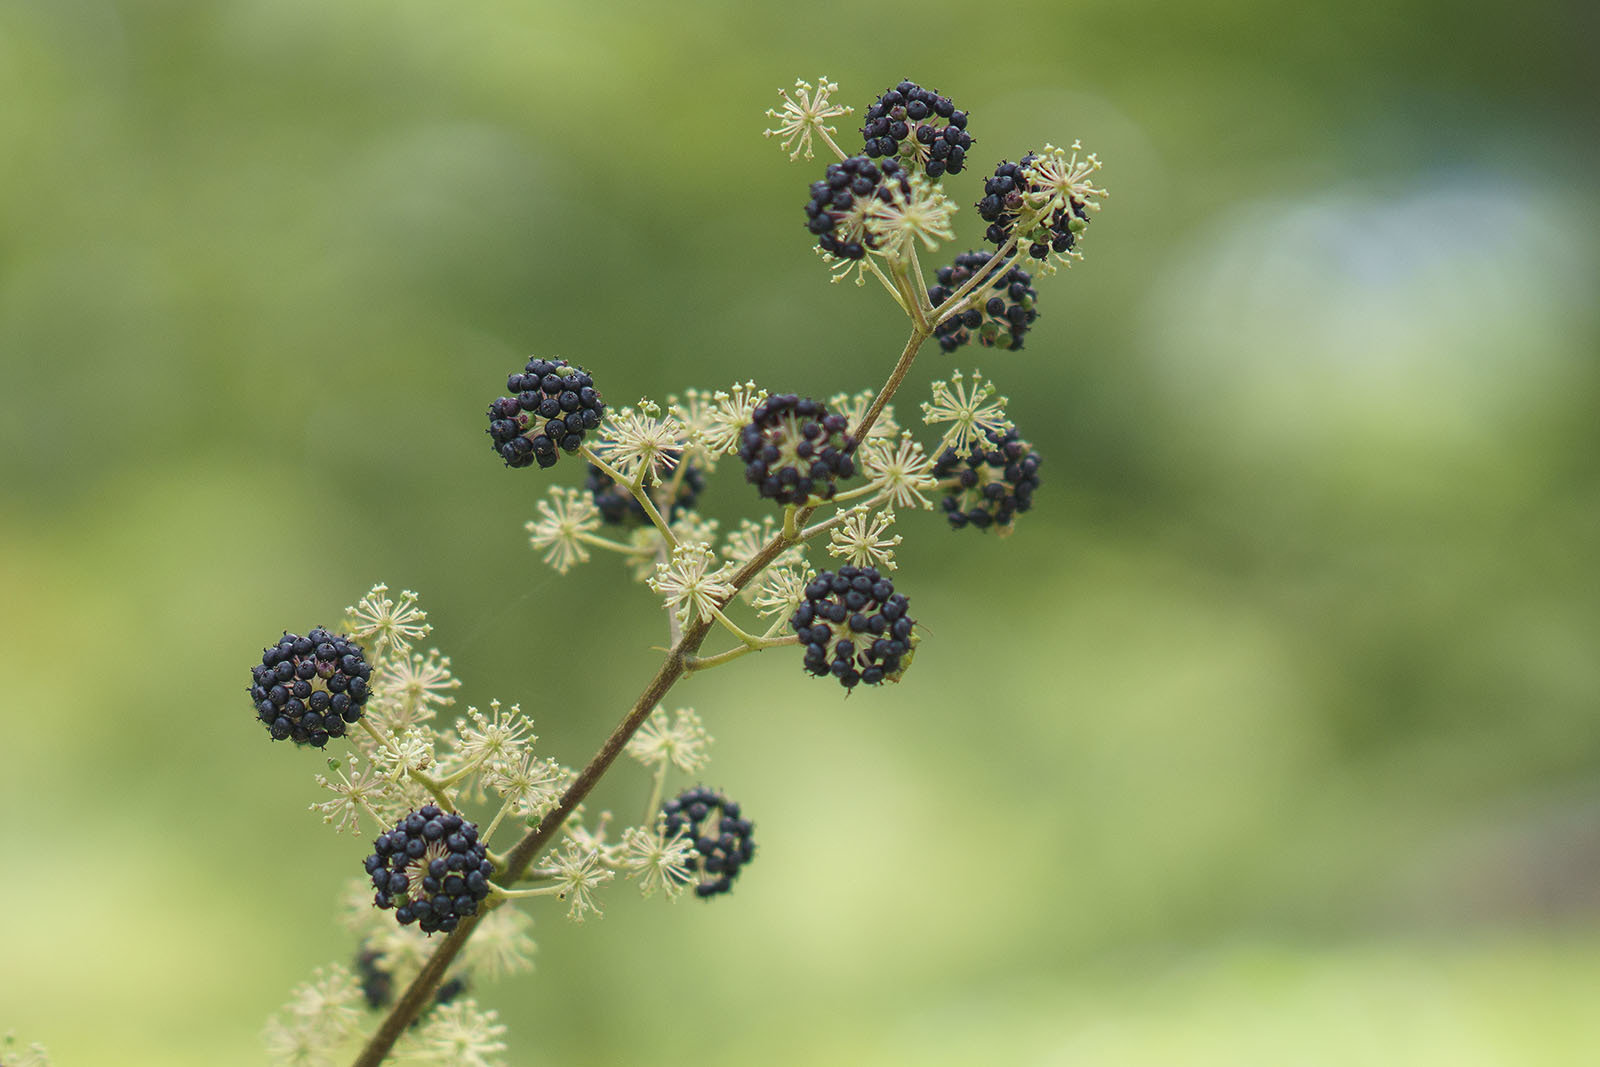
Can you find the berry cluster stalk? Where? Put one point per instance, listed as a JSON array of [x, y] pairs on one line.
[[680, 660]]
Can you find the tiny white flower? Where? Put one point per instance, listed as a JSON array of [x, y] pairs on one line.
[[805, 110], [564, 518], [410, 690], [694, 412], [899, 223], [409, 750], [683, 742], [860, 539], [664, 863], [500, 944], [689, 585], [500, 736], [356, 790], [579, 873], [899, 471], [732, 409], [854, 407], [781, 590], [387, 625], [459, 1034], [641, 438], [972, 412], [533, 785]]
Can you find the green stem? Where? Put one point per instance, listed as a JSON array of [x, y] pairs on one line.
[[634, 486], [703, 663]]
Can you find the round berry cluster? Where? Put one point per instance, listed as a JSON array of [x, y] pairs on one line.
[[553, 403], [619, 507], [431, 868], [1002, 204], [854, 626], [377, 982], [837, 210], [308, 688], [1003, 318], [993, 482], [794, 449], [722, 838], [901, 112]]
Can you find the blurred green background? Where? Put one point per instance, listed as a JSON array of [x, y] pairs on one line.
[[1271, 738]]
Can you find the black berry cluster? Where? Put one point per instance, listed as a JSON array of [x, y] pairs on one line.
[[854, 626], [794, 449], [1001, 321], [936, 130], [722, 837], [994, 481], [308, 689], [1002, 203], [377, 982], [839, 202], [551, 405], [431, 868], [619, 507]]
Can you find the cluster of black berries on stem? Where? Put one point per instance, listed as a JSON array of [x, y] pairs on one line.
[[840, 201], [552, 406], [722, 837], [1002, 205], [431, 868], [794, 449], [917, 122], [854, 627], [992, 481], [1003, 318], [308, 689]]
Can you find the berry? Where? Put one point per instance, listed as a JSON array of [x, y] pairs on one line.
[[993, 482], [1002, 319], [619, 507], [920, 125], [854, 626], [308, 689], [377, 982], [553, 404], [1002, 204], [839, 203], [793, 449], [431, 868], [722, 837]]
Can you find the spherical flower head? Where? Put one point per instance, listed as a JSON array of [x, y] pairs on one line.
[[618, 507], [308, 689], [1048, 195], [431, 869], [993, 480], [842, 203], [794, 449], [722, 836], [854, 627], [1000, 320], [920, 126], [553, 404]]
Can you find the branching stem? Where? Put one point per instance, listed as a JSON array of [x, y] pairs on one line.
[[673, 667]]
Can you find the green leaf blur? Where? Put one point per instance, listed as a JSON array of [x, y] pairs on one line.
[[1270, 738]]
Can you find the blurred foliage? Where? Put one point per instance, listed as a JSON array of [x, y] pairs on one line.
[[1270, 738]]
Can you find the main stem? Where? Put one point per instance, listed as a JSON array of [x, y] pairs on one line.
[[422, 988]]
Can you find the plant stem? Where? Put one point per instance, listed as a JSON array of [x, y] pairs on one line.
[[422, 988]]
